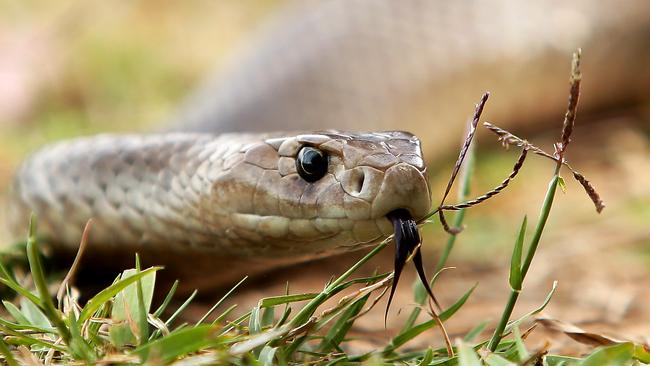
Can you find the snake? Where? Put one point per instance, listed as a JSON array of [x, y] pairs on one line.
[[217, 193]]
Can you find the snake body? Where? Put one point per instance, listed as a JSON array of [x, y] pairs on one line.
[[235, 196], [420, 65], [206, 195]]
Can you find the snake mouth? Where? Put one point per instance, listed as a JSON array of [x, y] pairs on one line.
[[407, 243]]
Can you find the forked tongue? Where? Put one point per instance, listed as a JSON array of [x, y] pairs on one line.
[[407, 239]]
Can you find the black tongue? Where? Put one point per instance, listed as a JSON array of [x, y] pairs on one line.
[[407, 239]]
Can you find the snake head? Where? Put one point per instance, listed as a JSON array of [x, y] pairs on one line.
[[269, 200], [290, 203]]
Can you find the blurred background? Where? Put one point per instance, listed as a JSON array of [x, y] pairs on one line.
[[76, 68]]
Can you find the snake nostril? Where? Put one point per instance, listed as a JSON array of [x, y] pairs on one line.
[[357, 183], [358, 180]]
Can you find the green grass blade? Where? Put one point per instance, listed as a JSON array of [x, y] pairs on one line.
[[293, 347], [143, 308], [562, 184], [224, 314], [22, 291], [7, 279], [467, 355], [94, 327], [515, 263], [180, 343], [34, 315], [176, 313], [285, 299], [530, 254], [336, 287], [79, 348], [236, 323], [541, 223], [539, 309], [268, 316], [306, 312], [6, 353], [522, 352], [32, 340], [255, 322], [38, 276], [4, 272], [221, 300], [181, 308], [28, 328], [474, 332], [556, 360], [427, 358], [450, 311], [642, 353], [493, 359], [337, 332], [414, 331], [167, 300], [617, 355], [108, 293], [15, 313], [258, 341], [361, 280], [267, 356]]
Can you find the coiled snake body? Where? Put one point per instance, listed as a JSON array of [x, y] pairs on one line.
[[234, 203]]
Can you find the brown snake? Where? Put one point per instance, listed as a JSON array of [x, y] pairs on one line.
[[229, 196], [203, 200]]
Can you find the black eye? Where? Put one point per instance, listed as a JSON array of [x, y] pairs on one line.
[[311, 164]]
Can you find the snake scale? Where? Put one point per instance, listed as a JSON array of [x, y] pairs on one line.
[[217, 193]]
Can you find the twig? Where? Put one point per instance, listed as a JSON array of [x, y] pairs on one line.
[[69, 277], [493, 192], [574, 96], [558, 157], [468, 141], [459, 162]]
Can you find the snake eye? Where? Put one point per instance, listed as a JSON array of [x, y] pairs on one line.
[[311, 164]]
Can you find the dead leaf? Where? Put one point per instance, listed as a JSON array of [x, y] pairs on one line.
[[576, 333]]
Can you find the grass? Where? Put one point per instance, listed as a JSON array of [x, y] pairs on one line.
[[119, 325]]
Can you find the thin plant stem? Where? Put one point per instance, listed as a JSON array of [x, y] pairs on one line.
[[503, 321], [532, 248], [463, 193], [546, 209], [69, 277]]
